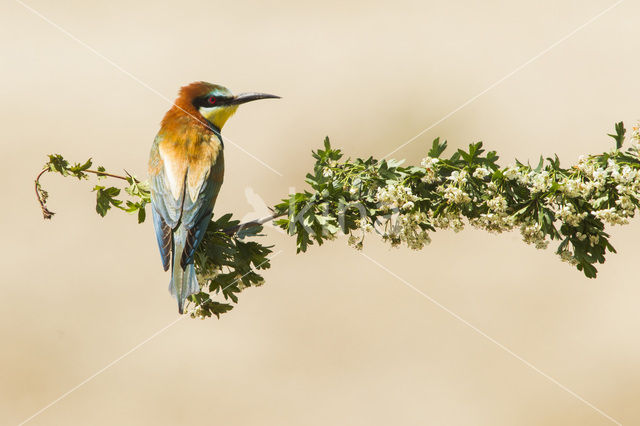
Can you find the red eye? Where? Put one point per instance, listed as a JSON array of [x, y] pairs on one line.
[[212, 100]]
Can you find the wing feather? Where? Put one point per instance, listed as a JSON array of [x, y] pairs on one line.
[[196, 214], [166, 208], [164, 237], [185, 180]]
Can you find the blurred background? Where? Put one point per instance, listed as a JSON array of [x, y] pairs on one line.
[[331, 338]]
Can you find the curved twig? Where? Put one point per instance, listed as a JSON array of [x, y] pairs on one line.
[[41, 194], [46, 213]]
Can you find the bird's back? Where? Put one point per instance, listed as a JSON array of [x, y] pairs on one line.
[[186, 167]]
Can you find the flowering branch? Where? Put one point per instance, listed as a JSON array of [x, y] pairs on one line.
[[404, 204]]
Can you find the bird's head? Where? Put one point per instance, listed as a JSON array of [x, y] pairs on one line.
[[213, 102]]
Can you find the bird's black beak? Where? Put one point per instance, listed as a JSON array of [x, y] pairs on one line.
[[248, 97]]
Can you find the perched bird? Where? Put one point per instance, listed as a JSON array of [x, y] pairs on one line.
[[186, 169]]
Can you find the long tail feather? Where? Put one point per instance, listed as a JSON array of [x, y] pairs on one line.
[[183, 281]]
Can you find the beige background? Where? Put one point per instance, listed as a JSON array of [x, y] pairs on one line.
[[331, 338]]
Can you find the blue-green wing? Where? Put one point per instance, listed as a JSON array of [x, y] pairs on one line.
[[196, 214], [165, 208]]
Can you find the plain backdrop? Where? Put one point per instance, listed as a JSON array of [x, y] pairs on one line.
[[331, 338]]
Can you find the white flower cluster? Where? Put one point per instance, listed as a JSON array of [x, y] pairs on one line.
[[406, 229], [611, 216], [497, 219], [511, 173], [568, 215], [593, 239], [593, 183], [395, 197], [458, 177], [533, 234], [455, 195], [567, 256], [535, 181], [575, 187], [451, 219], [625, 180], [539, 182], [497, 204], [592, 188], [430, 166], [365, 226], [404, 225], [481, 173], [454, 192]]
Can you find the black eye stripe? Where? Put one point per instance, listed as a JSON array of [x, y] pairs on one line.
[[204, 101]]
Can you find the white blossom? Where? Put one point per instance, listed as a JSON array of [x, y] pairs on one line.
[[429, 163], [458, 177], [539, 182], [451, 219], [568, 215], [585, 165], [481, 173], [408, 205], [533, 234], [455, 195], [511, 173], [610, 216], [392, 196], [626, 203], [567, 256], [497, 204]]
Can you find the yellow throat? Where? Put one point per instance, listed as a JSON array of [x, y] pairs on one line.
[[218, 115]]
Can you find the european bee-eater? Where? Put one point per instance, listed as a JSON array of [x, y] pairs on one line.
[[186, 169]]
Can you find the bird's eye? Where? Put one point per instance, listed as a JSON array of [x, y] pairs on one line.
[[212, 100]]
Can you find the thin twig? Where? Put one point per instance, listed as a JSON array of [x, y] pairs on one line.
[[46, 213], [96, 172], [258, 222], [253, 223]]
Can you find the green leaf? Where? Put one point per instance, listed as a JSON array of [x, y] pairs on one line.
[[437, 148], [619, 136], [78, 169], [105, 198], [58, 164], [540, 165]]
